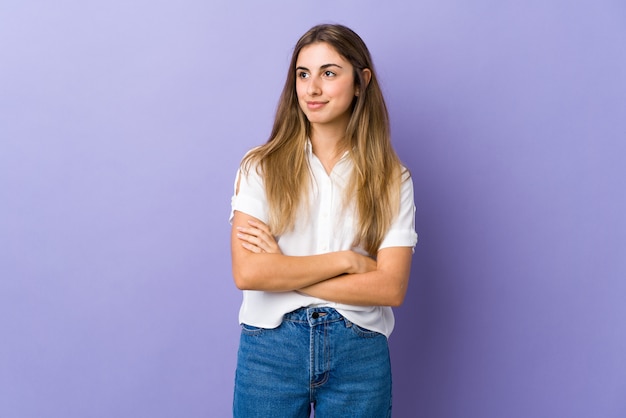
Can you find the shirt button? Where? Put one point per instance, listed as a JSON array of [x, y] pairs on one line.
[[315, 315]]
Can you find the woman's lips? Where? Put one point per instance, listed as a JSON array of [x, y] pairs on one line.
[[315, 105]]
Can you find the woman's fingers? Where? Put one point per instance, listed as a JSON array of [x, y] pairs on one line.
[[257, 238], [251, 247], [251, 240], [260, 225]]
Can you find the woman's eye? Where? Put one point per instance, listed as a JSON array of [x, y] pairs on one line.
[[329, 74], [303, 75]]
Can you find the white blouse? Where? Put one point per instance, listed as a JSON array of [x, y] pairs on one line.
[[327, 227]]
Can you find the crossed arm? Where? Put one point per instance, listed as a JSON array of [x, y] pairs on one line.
[[341, 276]]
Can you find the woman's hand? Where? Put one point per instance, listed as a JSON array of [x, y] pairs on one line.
[[257, 238]]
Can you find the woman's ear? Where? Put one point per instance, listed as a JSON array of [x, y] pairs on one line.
[[366, 77]]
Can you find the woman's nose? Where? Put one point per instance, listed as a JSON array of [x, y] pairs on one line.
[[314, 88]]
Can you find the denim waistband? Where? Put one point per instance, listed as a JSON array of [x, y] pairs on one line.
[[313, 315]]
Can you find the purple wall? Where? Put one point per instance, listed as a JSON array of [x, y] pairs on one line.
[[122, 124]]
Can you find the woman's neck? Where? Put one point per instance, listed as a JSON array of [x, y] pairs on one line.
[[328, 144]]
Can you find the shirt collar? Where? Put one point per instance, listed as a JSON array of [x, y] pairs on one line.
[[308, 147]]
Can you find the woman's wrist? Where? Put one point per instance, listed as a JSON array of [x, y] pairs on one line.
[[353, 262]]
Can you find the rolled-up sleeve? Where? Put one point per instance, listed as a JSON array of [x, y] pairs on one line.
[[402, 231], [249, 195]]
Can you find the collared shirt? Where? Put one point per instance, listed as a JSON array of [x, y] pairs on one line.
[[328, 225]]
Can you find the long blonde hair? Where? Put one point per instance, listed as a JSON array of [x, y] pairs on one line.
[[375, 181]]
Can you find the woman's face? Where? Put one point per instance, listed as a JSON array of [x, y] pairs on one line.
[[324, 85]]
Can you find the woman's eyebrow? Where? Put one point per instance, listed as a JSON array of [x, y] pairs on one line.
[[323, 67]]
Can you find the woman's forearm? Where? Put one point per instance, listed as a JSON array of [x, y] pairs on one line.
[[385, 286], [279, 273], [367, 289]]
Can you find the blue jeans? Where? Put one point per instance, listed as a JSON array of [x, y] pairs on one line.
[[315, 357]]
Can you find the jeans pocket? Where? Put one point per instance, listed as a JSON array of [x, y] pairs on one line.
[[251, 330], [360, 331]]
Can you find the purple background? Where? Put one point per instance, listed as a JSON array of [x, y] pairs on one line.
[[121, 127]]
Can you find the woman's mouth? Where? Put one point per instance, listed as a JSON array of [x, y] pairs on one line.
[[315, 105]]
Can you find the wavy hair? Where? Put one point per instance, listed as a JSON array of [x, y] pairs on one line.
[[374, 185]]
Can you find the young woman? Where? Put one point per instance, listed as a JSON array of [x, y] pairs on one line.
[[322, 239]]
